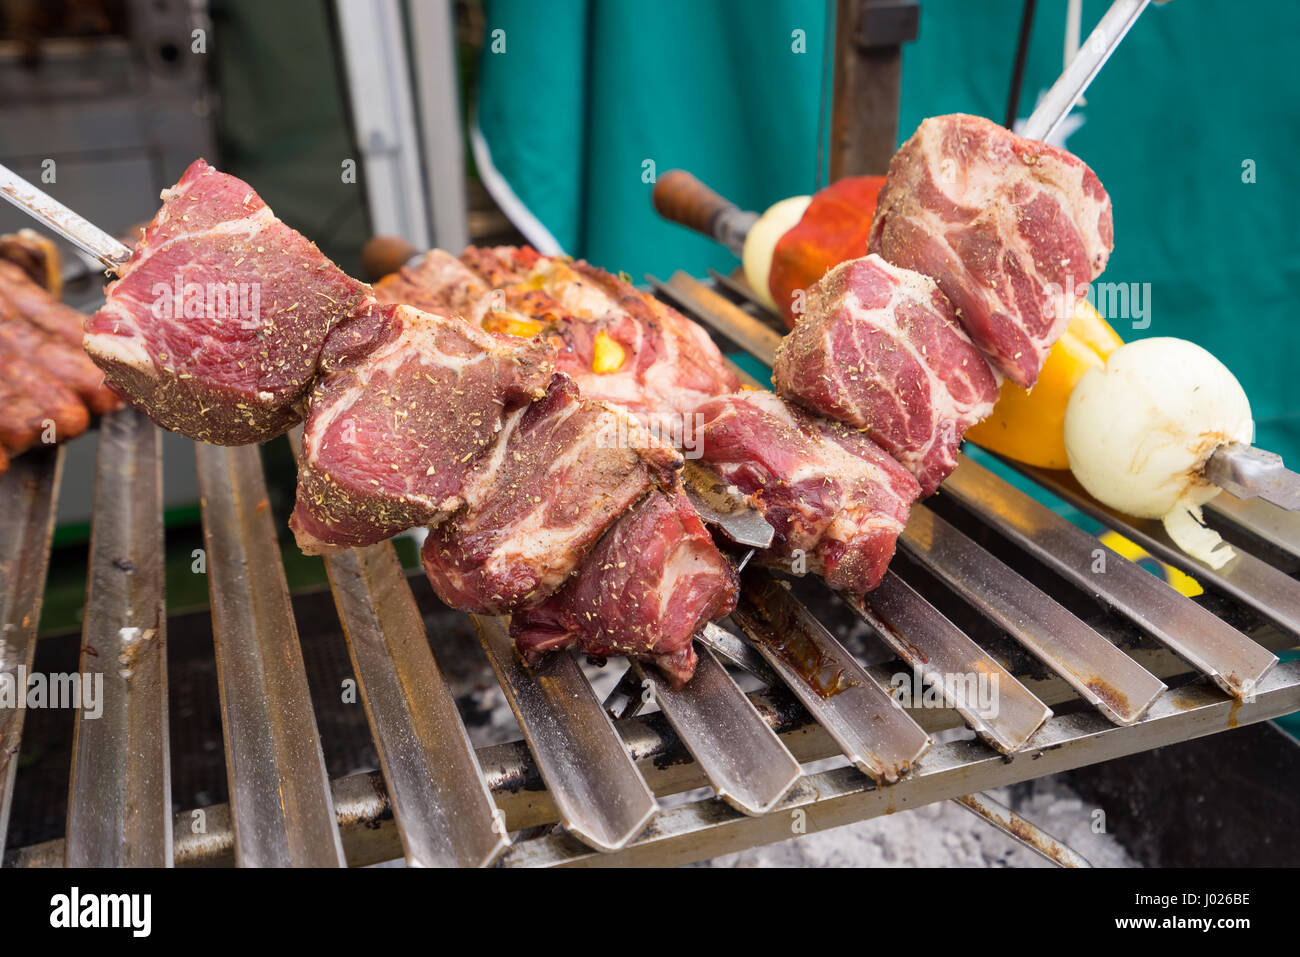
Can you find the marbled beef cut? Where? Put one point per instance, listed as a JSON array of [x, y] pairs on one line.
[[835, 499], [216, 323], [561, 472], [1011, 229], [650, 584], [406, 403], [879, 349]]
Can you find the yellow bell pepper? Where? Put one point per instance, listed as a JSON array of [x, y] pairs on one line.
[[1029, 426], [607, 354]]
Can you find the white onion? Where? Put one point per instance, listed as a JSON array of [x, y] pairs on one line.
[[761, 241], [1140, 430]]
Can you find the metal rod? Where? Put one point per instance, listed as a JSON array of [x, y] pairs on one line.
[[119, 795], [1056, 104], [723, 506], [46, 209], [745, 761], [279, 789], [599, 793], [1248, 472], [1264, 520], [29, 496], [1018, 70]]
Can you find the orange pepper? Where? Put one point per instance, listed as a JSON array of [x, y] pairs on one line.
[[607, 354], [1029, 426], [511, 324]]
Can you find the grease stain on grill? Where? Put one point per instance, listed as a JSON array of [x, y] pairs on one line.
[[781, 630], [1113, 698], [1234, 706], [133, 643], [806, 658], [1026, 833]]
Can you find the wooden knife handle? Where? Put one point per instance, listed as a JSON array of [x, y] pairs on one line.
[[681, 198], [382, 255]]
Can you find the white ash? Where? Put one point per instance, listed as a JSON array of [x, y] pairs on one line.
[[947, 835]]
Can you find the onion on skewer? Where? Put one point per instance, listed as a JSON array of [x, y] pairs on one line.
[[1140, 430]]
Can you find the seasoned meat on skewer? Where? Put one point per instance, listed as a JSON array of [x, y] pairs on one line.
[[1011, 229], [880, 349]]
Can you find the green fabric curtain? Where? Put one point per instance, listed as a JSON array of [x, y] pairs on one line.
[[588, 92]]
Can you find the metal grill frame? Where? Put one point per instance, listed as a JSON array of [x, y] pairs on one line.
[[437, 801]]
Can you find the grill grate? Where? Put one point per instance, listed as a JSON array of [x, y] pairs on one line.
[[438, 801]]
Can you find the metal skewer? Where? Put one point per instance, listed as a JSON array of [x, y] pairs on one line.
[[1248, 472], [1057, 103], [76, 229], [721, 505]]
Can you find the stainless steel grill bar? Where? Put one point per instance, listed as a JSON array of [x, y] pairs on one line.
[[936, 648], [29, 494], [1231, 659], [119, 795], [871, 728], [282, 810], [1277, 526], [1100, 672], [705, 829], [745, 761], [724, 316], [600, 795], [1248, 579], [443, 807], [737, 651], [739, 289]]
